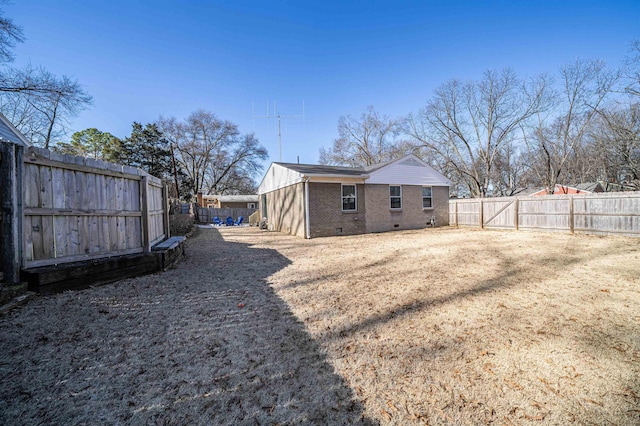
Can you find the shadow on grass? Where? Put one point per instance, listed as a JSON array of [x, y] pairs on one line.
[[206, 343]]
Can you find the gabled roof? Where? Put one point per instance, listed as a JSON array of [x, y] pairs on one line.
[[409, 170], [8, 133]]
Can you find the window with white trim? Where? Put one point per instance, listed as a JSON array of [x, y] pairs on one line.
[[427, 197], [395, 196], [349, 198]]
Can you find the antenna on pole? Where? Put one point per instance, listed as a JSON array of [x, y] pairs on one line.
[[279, 117]]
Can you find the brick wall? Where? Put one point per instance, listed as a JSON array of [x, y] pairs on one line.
[[325, 211], [381, 218], [285, 210]]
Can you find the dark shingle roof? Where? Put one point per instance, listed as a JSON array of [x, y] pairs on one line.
[[316, 169]]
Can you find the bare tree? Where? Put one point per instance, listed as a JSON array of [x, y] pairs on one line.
[[364, 141], [233, 170], [632, 69], [584, 87], [10, 34], [42, 113], [616, 144], [468, 124], [38, 103], [209, 151]]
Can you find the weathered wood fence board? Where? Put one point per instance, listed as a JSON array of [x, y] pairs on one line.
[[77, 208], [615, 213]]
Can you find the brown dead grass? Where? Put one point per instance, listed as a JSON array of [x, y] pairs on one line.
[[472, 327], [436, 326]]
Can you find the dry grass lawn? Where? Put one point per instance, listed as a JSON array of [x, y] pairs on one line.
[[472, 327], [434, 326]]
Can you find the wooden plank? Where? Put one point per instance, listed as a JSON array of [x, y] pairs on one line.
[[81, 257], [72, 164], [46, 188], [11, 169], [122, 233], [70, 198], [78, 212], [28, 239], [84, 236], [34, 232], [32, 189], [48, 238], [571, 218], [90, 191], [58, 187], [60, 236], [146, 218]]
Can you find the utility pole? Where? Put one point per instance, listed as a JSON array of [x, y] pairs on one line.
[[278, 116]]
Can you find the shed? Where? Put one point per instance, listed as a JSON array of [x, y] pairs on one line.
[[316, 200]]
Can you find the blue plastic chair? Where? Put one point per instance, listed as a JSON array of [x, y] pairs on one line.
[[217, 221], [229, 221], [239, 221]]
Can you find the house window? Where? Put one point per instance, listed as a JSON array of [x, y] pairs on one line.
[[395, 196], [427, 199], [251, 205], [349, 198]]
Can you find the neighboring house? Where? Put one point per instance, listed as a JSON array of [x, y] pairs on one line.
[[228, 201], [583, 188], [316, 201]]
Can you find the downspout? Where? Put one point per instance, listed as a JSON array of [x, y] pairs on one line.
[[306, 208]]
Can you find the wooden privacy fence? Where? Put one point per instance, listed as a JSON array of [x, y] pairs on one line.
[[206, 215], [77, 208], [616, 213]]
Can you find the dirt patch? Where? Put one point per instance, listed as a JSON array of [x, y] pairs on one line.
[[472, 327], [206, 343]]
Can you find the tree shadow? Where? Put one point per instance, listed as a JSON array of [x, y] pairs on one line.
[[206, 343]]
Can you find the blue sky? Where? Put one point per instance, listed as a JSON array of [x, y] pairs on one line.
[[142, 59]]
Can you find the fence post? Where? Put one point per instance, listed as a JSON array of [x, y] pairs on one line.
[[571, 215], [481, 213], [455, 212], [516, 206], [165, 207], [11, 178], [144, 206]]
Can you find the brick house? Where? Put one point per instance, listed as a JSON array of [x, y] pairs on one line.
[[318, 201]]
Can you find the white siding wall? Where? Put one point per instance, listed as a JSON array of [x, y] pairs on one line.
[[408, 172], [278, 177]]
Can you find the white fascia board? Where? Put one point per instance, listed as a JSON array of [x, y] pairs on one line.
[[21, 138]]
